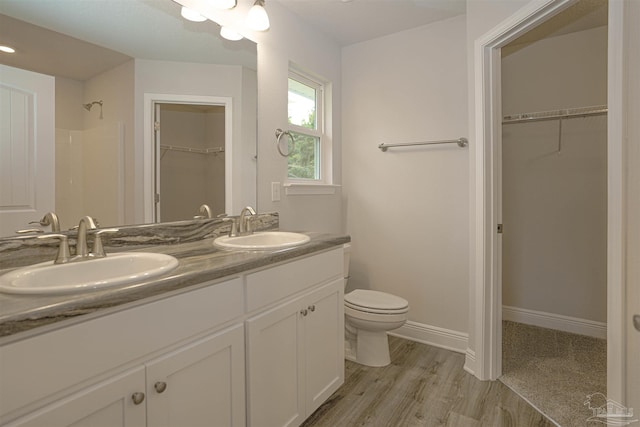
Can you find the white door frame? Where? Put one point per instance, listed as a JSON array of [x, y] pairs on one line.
[[486, 268], [30, 139], [150, 151]]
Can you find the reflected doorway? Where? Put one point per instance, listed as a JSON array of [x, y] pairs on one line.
[[155, 136], [190, 167]]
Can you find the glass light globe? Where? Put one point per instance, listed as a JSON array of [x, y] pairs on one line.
[[191, 15], [257, 18], [229, 34]]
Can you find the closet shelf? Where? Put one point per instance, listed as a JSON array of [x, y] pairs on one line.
[[555, 114], [213, 150]]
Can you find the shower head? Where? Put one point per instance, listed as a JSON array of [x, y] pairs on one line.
[[89, 105]]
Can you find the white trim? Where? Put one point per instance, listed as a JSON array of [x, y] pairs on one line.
[[470, 361], [616, 220], [558, 322], [433, 335], [149, 154], [291, 189], [486, 268]]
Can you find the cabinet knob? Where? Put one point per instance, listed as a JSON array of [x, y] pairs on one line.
[[137, 398], [312, 308], [160, 386], [304, 312]]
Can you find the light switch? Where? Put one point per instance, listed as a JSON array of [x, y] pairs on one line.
[[275, 191]]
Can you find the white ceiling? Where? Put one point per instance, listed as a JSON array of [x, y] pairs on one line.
[[153, 29], [146, 29], [354, 21]]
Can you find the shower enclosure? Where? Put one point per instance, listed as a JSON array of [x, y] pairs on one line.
[[90, 174]]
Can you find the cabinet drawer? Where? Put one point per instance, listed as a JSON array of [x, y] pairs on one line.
[[273, 284], [37, 367]]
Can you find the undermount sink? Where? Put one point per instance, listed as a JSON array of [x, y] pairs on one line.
[[93, 274], [267, 240]]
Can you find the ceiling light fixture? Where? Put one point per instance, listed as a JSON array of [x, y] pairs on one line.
[[192, 15], [229, 34], [7, 49], [257, 18], [224, 4]]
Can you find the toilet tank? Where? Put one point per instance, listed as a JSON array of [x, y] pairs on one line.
[[347, 257]]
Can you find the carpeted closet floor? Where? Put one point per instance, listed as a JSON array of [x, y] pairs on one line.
[[554, 371]]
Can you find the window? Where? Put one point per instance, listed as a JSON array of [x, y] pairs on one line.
[[306, 127]]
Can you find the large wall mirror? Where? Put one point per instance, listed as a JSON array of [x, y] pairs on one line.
[[154, 115]]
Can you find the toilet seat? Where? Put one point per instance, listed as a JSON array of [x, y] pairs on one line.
[[375, 302]]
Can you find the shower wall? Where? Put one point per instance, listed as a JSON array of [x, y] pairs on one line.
[[92, 174], [555, 180], [89, 174]]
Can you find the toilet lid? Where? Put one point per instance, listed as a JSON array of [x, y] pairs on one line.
[[368, 300]]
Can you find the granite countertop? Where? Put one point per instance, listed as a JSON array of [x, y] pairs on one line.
[[200, 262]]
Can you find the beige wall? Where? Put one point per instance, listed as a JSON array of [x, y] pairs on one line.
[[159, 77], [482, 17], [559, 72], [407, 208], [91, 170], [555, 196], [115, 88], [69, 100], [290, 40]]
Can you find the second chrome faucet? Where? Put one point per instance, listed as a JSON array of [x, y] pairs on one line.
[[242, 225]]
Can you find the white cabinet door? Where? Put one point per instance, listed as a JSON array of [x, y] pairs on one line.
[[27, 175], [201, 384], [274, 373], [106, 404], [295, 357], [324, 344]]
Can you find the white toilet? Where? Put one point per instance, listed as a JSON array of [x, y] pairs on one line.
[[368, 316]]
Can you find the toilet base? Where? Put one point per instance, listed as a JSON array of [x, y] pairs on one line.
[[370, 349]]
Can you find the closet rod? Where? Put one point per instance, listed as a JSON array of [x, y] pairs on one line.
[[462, 142], [193, 150], [555, 115]]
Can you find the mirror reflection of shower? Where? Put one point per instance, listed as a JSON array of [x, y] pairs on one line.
[[89, 105]]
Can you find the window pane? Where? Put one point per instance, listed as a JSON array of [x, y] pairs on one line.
[[304, 157], [302, 104]]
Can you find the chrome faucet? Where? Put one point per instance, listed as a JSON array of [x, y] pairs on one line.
[[62, 256], [81, 245], [205, 212], [50, 218], [244, 226]]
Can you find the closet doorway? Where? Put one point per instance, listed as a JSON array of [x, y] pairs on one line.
[[190, 139], [554, 211]]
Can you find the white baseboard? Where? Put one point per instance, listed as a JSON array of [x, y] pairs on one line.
[[433, 335], [470, 361], [555, 321]]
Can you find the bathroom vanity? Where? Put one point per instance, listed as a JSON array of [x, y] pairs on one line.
[[230, 338]]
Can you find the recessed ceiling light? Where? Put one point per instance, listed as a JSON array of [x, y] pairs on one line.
[[7, 49]]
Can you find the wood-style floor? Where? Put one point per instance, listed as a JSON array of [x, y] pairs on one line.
[[423, 386]]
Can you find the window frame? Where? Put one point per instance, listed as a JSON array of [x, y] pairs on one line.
[[324, 175]]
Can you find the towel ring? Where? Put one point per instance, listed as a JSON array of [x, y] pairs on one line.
[[279, 133]]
